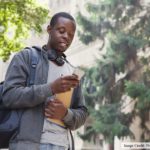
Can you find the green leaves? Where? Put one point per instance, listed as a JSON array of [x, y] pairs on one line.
[[135, 89], [108, 122], [17, 19], [140, 92]]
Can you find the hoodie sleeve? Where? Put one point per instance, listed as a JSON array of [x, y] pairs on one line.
[[16, 93], [78, 113]]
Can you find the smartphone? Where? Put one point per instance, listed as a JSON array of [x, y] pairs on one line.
[[78, 72]]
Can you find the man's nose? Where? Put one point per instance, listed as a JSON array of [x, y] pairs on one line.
[[65, 35]]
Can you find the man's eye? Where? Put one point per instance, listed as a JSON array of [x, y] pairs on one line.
[[61, 30]]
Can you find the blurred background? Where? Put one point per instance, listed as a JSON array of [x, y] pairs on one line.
[[111, 45]]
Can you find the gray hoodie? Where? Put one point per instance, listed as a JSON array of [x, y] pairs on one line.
[[30, 100]]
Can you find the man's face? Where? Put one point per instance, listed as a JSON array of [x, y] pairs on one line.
[[61, 35]]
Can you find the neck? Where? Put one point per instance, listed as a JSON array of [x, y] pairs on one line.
[[47, 47]]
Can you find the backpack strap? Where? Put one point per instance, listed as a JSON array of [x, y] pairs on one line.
[[34, 61]]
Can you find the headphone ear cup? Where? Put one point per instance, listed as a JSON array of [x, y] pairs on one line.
[[59, 61], [52, 55]]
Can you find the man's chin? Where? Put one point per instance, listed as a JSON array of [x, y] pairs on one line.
[[61, 50]]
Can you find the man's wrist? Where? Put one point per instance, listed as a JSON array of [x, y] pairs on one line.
[[66, 112], [68, 116]]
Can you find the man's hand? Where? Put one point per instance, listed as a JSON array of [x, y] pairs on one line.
[[55, 110], [64, 83]]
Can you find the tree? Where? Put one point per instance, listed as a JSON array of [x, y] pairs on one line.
[[17, 18], [123, 27]]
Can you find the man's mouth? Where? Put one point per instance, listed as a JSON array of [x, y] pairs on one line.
[[63, 44]]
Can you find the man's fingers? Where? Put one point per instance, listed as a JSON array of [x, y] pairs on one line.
[[64, 83], [47, 115], [69, 83], [69, 77], [49, 110]]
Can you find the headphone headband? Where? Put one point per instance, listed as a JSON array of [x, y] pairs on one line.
[[55, 57]]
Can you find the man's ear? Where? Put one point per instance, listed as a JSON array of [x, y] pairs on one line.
[[49, 28]]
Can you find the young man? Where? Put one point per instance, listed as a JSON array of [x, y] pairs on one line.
[[39, 102]]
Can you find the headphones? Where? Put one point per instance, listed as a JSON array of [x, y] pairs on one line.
[[55, 57]]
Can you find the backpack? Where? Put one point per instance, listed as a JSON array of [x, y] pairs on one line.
[[9, 118]]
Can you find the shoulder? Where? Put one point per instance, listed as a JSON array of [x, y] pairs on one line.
[[26, 53], [21, 57], [23, 53]]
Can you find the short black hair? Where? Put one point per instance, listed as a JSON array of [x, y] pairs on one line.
[[60, 14]]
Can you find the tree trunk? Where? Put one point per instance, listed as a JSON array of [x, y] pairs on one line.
[[111, 146]]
